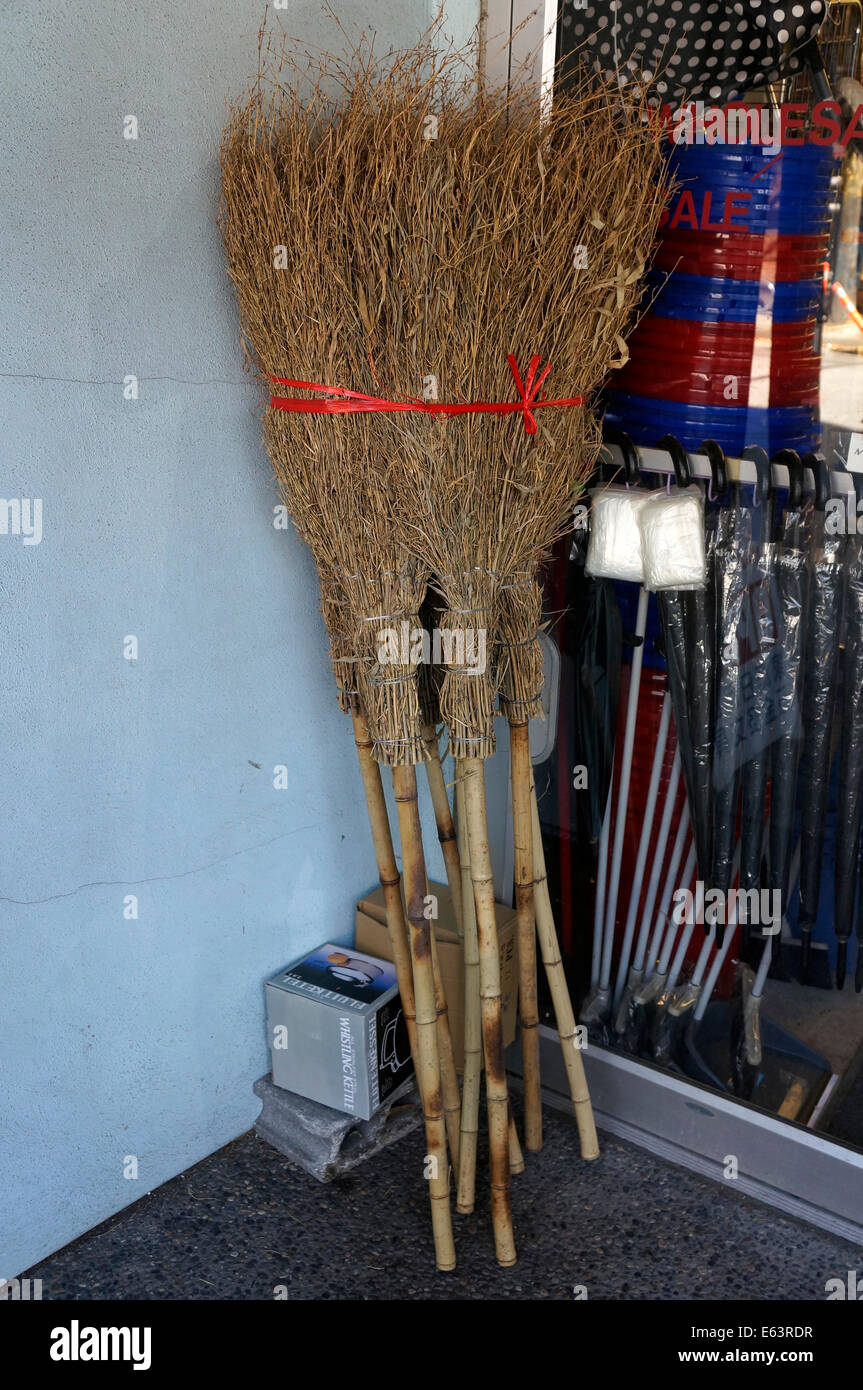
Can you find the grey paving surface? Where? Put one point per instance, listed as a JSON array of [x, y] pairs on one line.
[[628, 1227]]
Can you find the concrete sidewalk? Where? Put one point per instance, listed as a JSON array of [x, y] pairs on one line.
[[246, 1221]]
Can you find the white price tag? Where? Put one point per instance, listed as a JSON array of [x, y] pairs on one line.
[[855, 454]]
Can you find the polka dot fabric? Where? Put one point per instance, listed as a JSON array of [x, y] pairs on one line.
[[691, 49]]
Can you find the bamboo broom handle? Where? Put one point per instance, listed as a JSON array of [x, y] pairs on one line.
[[472, 1021], [394, 908], [449, 848], [522, 838], [516, 1157], [387, 872], [564, 1017], [497, 1100], [448, 1072], [473, 1035], [443, 819], [413, 862]]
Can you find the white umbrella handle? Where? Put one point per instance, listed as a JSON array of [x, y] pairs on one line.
[[763, 967], [704, 953], [687, 937], [643, 847], [671, 933], [671, 882], [623, 793], [716, 965], [658, 861], [601, 877]]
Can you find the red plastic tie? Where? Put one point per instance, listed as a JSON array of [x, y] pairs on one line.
[[345, 402]]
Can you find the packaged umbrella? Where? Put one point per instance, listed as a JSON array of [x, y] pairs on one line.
[[733, 569], [757, 640], [700, 618], [821, 659], [671, 526], [851, 749], [614, 550], [858, 972], [686, 615], [757, 708], [594, 642], [786, 679], [596, 658]]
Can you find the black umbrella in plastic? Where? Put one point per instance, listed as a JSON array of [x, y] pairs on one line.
[[786, 679], [596, 652], [851, 744], [699, 607], [731, 562], [596, 659], [858, 974], [694, 48], [821, 661], [755, 691], [686, 617], [736, 650]]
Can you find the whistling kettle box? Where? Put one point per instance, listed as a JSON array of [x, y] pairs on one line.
[[337, 1031]]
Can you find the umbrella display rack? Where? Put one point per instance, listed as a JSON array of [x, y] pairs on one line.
[[729, 349], [684, 1110]]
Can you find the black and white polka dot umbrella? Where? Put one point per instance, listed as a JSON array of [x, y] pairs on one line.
[[692, 48]]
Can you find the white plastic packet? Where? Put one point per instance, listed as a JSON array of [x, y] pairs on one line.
[[614, 550], [672, 540]]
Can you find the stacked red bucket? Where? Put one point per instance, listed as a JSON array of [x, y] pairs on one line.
[[727, 345]]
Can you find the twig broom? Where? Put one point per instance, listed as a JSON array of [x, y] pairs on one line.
[[258, 217], [438, 259]]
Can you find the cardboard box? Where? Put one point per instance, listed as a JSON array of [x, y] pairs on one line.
[[372, 936], [336, 1030]]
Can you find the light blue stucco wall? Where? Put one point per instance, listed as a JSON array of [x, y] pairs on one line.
[[143, 1037]]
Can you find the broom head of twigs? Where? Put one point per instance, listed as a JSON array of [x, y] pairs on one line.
[[396, 229]]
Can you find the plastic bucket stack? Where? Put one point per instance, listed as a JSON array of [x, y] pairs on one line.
[[726, 347]]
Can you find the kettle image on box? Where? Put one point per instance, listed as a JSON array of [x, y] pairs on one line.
[[352, 970]]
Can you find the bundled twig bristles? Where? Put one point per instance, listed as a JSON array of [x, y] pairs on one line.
[[340, 628], [518, 653], [386, 607], [371, 585], [414, 263]]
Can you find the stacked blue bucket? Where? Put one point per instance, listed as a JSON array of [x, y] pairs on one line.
[[735, 298]]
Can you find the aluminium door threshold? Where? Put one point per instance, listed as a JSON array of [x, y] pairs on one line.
[[786, 1165]]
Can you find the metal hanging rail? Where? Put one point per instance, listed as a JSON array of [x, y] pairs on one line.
[[739, 470]]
